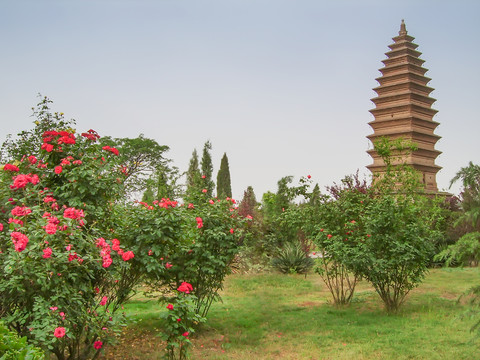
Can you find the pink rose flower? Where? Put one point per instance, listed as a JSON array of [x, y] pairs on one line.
[[47, 253], [19, 240], [59, 332], [128, 255], [185, 288]]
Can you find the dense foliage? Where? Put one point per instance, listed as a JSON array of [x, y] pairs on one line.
[[332, 222], [73, 248], [224, 185], [206, 168], [59, 280], [14, 348]]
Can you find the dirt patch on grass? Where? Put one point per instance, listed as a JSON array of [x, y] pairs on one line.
[[135, 345], [310, 304], [449, 296]]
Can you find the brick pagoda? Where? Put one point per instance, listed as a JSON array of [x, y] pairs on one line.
[[403, 109]]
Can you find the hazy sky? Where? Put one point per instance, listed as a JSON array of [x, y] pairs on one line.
[[283, 87]]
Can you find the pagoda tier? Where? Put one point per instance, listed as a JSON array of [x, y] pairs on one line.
[[403, 109]]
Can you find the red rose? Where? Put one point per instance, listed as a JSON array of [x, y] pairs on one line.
[[72, 213], [47, 253], [97, 344], [170, 307], [115, 244], [47, 147], [19, 240], [128, 255], [58, 169], [21, 211], [59, 332], [185, 288], [111, 149], [50, 228], [107, 261], [10, 167]]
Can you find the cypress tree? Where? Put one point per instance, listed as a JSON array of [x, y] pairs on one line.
[[207, 169], [148, 195], [193, 172], [316, 196], [163, 188], [224, 186], [194, 179]]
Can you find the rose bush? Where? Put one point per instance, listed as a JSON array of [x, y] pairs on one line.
[[60, 280], [73, 248], [333, 224], [181, 322], [174, 243], [55, 269]]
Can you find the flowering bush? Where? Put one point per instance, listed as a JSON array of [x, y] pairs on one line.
[[60, 280], [181, 320], [72, 247], [333, 223], [174, 243], [181, 250]]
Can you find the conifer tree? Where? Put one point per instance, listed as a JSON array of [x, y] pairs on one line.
[[207, 169], [248, 205], [224, 186], [316, 195], [194, 179], [148, 195]]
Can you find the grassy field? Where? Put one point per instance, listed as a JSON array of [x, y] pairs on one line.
[[274, 316]]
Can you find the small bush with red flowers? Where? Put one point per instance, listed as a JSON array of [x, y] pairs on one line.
[[181, 249], [333, 223], [193, 243], [181, 320]]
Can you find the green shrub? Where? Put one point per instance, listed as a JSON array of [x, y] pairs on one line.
[[13, 347], [397, 249], [465, 251]]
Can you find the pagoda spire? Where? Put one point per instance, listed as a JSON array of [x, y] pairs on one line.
[[403, 109], [403, 29]]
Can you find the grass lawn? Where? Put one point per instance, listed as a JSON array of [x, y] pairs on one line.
[[272, 316]]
